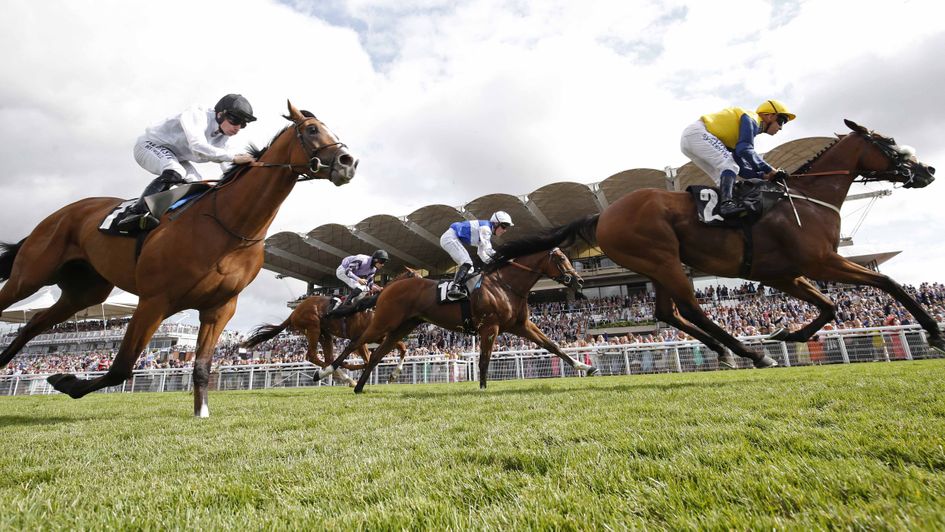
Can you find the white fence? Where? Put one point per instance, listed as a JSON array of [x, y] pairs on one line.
[[832, 347]]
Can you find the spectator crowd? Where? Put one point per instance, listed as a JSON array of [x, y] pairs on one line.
[[745, 310]]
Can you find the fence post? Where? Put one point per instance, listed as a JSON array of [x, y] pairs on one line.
[[786, 354], [676, 357], [251, 369], [843, 349], [519, 368], [163, 380], [626, 360], [905, 344]]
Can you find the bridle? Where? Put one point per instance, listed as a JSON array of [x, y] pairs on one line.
[[901, 172], [309, 171], [566, 278]]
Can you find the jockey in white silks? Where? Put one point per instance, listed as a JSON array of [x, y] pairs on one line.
[[476, 233], [197, 135]]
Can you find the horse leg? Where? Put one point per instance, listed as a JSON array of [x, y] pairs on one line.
[[802, 289], [487, 336], [212, 322], [313, 335], [530, 331], [837, 268], [679, 290], [145, 320], [391, 340], [80, 289], [666, 311], [394, 375]]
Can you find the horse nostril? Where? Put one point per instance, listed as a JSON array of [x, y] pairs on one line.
[[347, 160]]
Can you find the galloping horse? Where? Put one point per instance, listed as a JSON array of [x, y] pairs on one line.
[[308, 318], [652, 232], [499, 305], [201, 260]]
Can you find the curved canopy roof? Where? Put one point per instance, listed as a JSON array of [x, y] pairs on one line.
[[414, 240]]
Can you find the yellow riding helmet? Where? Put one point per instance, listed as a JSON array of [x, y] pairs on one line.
[[775, 107]]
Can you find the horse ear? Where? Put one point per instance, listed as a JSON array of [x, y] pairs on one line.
[[294, 114], [854, 126]]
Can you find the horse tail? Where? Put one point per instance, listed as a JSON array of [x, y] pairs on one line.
[[263, 333], [562, 236], [7, 256]]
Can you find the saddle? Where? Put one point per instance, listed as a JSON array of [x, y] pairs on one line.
[[757, 196], [473, 282], [174, 199]]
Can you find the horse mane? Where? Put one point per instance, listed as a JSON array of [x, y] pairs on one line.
[[806, 166], [564, 236], [253, 150], [408, 273]]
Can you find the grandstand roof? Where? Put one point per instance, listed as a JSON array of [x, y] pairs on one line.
[[118, 304], [414, 240]]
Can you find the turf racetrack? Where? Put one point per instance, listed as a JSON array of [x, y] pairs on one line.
[[855, 446]]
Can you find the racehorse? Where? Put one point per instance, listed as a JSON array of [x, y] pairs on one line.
[[202, 260], [499, 305], [652, 232], [309, 318]]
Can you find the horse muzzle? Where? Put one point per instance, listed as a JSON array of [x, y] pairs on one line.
[[343, 169], [922, 176]]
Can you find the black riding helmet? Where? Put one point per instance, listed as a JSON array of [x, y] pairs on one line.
[[380, 255], [235, 105]]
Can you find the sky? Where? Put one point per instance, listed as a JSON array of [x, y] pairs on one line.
[[446, 101]]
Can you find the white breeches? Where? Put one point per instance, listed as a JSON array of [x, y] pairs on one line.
[[156, 158], [707, 151], [455, 248], [342, 275]]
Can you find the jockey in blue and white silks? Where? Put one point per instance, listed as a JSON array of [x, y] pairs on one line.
[[722, 144], [476, 233]]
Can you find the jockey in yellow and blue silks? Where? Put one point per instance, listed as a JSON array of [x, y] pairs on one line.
[[476, 233], [722, 144]]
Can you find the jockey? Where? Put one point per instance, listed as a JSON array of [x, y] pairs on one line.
[[357, 272], [196, 135], [471, 233], [722, 144]]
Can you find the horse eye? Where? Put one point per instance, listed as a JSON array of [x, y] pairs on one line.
[[312, 130]]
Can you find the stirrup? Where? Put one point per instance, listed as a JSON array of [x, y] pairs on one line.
[[455, 293]]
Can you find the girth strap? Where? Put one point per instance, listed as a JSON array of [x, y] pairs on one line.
[[748, 255]]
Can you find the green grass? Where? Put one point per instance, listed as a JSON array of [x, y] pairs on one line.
[[858, 446]]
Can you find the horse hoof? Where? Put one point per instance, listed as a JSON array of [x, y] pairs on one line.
[[63, 383], [937, 345], [727, 361], [765, 362], [779, 335], [591, 371]]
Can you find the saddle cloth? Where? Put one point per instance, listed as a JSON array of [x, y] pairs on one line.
[[472, 284], [158, 204], [756, 195]]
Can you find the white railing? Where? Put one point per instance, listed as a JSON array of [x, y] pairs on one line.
[[833, 347]]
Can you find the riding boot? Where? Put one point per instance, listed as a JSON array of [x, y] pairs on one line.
[[727, 206], [345, 308], [139, 216], [457, 288]]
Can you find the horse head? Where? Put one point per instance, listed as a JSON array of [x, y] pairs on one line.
[[319, 145], [560, 269], [884, 160]]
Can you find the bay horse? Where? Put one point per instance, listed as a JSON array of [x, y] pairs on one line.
[[499, 305], [201, 260], [653, 232], [309, 319]]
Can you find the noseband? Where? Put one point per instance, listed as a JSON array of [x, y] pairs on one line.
[[565, 279], [314, 165]]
